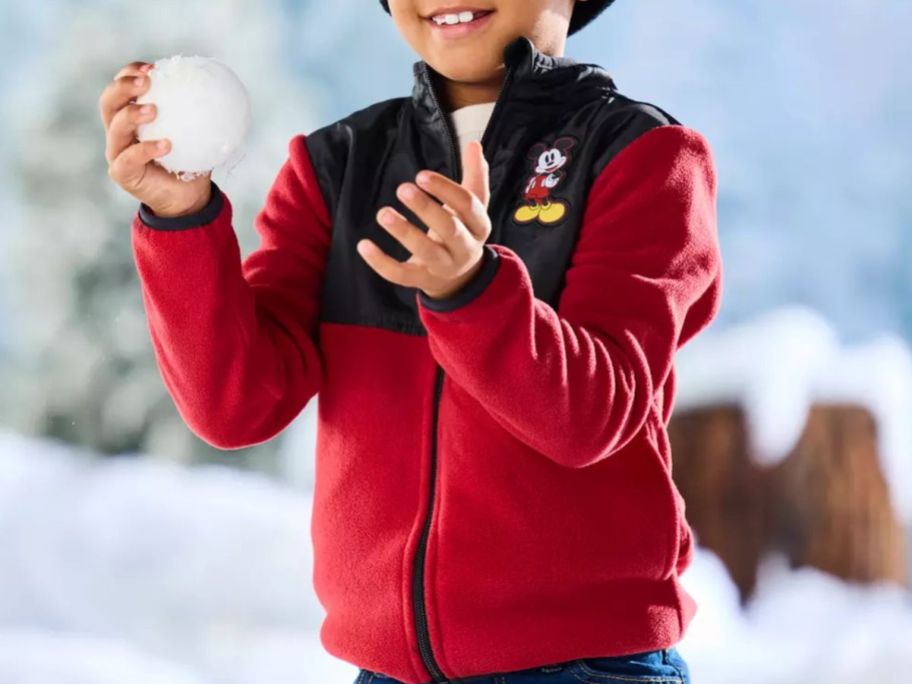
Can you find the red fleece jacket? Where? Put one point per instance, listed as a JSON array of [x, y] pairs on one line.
[[559, 532]]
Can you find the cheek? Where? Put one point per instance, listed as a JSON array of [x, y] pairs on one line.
[[412, 28]]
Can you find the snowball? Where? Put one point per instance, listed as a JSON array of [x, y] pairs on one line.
[[203, 109]]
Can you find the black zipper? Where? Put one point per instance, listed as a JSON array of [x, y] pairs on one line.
[[421, 628], [420, 609]]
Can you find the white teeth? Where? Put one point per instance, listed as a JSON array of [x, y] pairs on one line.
[[462, 17]]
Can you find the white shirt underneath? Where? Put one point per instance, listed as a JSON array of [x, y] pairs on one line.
[[470, 121]]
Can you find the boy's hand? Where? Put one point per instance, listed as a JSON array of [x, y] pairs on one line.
[[449, 254], [130, 162]]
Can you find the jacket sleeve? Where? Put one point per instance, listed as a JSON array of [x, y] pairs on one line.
[[235, 341], [645, 275]]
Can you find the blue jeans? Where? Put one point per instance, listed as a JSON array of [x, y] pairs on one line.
[[663, 666]]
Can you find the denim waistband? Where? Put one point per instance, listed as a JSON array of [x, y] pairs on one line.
[[658, 656]]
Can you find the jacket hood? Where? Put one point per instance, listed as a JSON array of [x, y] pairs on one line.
[[583, 13]]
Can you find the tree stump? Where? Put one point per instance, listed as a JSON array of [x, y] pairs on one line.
[[829, 502], [826, 504], [721, 486]]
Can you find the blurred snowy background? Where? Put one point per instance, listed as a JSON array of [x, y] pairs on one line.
[[134, 552]]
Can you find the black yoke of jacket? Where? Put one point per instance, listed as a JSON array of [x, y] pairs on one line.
[[554, 118]]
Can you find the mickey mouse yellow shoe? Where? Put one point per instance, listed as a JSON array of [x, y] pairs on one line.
[[527, 212], [552, 212]]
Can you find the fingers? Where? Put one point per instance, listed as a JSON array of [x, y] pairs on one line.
[[407, 274], [475, 174], [413, 238], [467, 206], [455, 241], [122, 132], [129, 167], [134, 69], [122, 90], [435, 216]]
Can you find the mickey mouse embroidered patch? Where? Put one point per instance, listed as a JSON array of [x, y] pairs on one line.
[[547, 169]]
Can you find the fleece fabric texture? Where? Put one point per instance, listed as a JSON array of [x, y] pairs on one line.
[[557, 532]]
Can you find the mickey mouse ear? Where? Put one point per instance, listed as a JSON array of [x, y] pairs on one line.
[[584, 12], [564, 143]]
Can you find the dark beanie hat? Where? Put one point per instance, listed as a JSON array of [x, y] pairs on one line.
[[583, 12]]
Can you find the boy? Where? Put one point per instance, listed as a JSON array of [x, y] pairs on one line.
[[493, 496]]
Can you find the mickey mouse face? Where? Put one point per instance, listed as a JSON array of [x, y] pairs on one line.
[[550, 160]]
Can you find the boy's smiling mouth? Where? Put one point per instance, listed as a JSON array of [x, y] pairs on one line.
[[457, 21]]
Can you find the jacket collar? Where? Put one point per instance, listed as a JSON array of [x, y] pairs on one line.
[[534, 79]]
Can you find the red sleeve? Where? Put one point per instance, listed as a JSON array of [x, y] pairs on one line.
[[235, 341], [645, 276]]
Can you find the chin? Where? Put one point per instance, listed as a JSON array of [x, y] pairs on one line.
[[459, 71], [469, 63]]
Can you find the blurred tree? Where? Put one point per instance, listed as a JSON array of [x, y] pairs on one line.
[[81, 367]]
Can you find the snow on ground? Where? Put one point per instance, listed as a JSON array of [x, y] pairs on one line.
[[135, 570], [206, 568], [778, 364], [44, 657], [802, 625]]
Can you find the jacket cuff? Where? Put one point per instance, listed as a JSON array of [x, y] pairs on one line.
[[490, 260], [205, 215]]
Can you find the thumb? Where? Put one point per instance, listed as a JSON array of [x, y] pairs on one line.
[[475, 171]]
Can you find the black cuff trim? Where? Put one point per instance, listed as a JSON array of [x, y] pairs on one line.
[[469, 291], [205, 215]]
